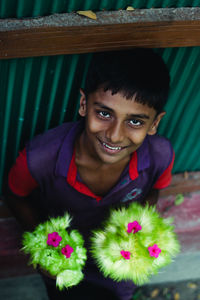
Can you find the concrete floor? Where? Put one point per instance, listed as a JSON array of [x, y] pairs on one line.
[[30, 287]]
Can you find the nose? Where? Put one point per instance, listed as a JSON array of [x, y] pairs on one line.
[[115, 133]]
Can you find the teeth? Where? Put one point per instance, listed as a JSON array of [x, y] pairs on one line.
[[112, 148]]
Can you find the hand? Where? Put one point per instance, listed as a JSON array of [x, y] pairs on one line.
[[151, 198], [46, 273]]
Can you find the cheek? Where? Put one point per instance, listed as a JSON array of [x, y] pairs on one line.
[[95, 125], [137, 137]]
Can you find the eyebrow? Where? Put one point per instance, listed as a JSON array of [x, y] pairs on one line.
[[141, 116]]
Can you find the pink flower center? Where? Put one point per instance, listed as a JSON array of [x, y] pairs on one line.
[[54, 239], [67, 251], [125, 254], [133, 227], [154, 250]]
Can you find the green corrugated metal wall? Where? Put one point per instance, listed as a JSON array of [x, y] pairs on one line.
[[40, 93]]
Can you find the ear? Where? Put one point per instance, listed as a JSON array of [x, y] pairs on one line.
[[82, 109], [154, 126]]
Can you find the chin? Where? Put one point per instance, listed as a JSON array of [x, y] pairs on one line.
[[110, 159]]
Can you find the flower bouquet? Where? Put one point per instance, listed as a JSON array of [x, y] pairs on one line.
[[56, 250], [134, 244]]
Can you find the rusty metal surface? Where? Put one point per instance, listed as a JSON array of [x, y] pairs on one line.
[[186, 219]]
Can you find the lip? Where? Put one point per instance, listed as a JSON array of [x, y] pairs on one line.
[[110, 148]]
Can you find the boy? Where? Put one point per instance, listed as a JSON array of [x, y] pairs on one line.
[[110, 158]]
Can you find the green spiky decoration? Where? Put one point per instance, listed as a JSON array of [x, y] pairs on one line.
[[56, 250], [134, 244]]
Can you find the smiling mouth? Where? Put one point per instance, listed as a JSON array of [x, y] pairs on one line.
[[109, 148]]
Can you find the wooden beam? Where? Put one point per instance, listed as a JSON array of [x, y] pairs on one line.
[[71, 33]]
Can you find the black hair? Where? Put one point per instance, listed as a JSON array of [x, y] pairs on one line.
[[139, 72]]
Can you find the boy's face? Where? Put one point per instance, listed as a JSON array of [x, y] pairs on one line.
[[115, 127]]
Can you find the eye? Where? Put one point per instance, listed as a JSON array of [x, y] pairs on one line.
[[136, 123], [103, 114]]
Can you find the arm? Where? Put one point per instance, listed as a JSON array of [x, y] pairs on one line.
[[162, 182], [25, 213], [22, 208], [21, 193]]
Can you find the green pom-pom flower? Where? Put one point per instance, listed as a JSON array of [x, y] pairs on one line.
[[56, 250], [134, 244]]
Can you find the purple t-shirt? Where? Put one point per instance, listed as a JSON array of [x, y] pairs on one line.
[[49, 157]]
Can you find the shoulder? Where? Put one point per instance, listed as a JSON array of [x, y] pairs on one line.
[[42, 151], [160, 150], [50, 137]]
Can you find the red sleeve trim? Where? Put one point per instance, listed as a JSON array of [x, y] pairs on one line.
[[165, 179], [20, 179]]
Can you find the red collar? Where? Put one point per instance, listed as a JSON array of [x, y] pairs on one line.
[[82, 188], [133, 172]]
